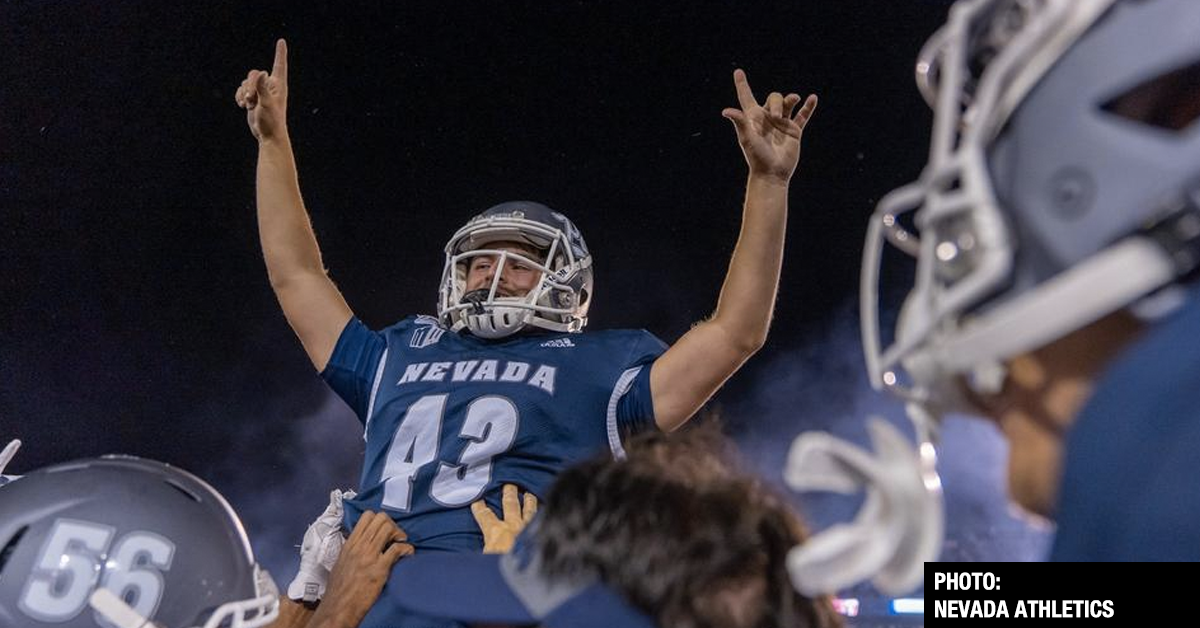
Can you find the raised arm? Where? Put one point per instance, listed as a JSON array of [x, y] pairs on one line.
[[684, 377], [311, 302]]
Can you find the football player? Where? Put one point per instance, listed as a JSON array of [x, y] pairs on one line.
[[1057, 237], [118, 542], [703, 546], [502, 386]]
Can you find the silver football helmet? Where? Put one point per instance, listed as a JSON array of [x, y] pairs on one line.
[[1063, 185], [118, 541], [1055, 192], [559, 301]]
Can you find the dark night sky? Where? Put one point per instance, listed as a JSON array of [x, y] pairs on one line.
[[135, 314]]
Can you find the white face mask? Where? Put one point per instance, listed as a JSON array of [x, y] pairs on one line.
[[5, 457], [8, 453], [899, 526], [255, 612]]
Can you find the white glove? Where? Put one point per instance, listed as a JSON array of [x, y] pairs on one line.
[[320, 550], [5, 456], [898, 528]]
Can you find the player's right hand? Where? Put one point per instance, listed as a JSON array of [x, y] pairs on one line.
[[362, 569], [264, 97]]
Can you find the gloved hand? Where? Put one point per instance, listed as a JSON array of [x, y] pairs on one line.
[[319, 551]]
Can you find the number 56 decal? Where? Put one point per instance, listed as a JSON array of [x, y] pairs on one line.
[[75, 560]]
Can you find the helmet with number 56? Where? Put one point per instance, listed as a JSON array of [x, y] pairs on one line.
[[164, 543]]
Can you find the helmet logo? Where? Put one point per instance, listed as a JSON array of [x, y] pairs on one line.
[[426, 334], [80, 549]]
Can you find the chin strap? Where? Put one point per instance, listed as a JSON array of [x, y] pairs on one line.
[[899, 526]]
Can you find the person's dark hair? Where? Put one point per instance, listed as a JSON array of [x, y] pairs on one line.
[[683, 533]]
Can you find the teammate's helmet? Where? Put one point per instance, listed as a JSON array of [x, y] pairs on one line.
[[559, 301], [160, 539], [1063, 185]]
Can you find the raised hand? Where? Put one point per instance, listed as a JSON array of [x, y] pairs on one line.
[[769, 133], [264, 97], [499, 534]]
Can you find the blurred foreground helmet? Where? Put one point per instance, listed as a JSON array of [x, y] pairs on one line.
[[162, 541], [560, 299], [1063, 185]]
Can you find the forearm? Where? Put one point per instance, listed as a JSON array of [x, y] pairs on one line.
[[289, 245], [698, 364], [292, 614], [332, 614], [748, 295]]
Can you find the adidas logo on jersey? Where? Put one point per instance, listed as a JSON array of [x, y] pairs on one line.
[[558, 342]]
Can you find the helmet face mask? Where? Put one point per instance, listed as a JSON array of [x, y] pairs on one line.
[[1038, 210], [558, 300], [163, 543], [1045, 205]]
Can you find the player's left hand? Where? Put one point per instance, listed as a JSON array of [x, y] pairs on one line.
[[499, 533], [323, 541], [769, 133]]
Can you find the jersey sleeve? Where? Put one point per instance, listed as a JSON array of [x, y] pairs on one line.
[[354, 365], [631, 410]]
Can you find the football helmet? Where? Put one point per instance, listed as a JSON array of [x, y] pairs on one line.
[[1063, 185], [164, 543], [560, 299], [1057, 189]]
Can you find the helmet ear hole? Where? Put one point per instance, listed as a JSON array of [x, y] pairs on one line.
[[1170, 101]]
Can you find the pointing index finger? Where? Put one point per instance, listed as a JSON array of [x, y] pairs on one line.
[[279, 70], [745, 96]]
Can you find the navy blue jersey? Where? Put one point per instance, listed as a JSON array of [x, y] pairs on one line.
[[1130, 489], [449, 418]]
